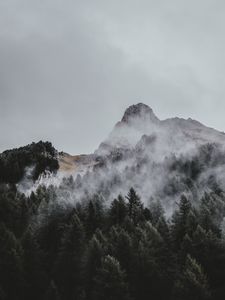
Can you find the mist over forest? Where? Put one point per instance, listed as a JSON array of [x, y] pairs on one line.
[[142, 217]]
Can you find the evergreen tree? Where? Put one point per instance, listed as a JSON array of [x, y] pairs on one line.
[[135, 206], [157, 212], [186, 247], [11, 265], [33, 266], [110, 281], [120, 247], [69, 262], [13, 209], [150, 274], [208, 215], [200, 244], [179, 222], [94, 215], [118, 211], [92, 262], [192, 283], [164, 230]]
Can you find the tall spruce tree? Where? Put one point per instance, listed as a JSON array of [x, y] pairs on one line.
[[118, 211], [110, 281], [34, 270], [92, 262], [179, 222], [11, 265], [135, 207], [192, 283], [69, 262]]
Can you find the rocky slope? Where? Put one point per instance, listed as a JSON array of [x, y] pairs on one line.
[[141, 130], [160, 159]]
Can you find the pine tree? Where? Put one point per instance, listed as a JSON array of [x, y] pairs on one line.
[[69, 262], [110, 281], [120, 247], [135, 207], [149, 272], [118, 211], [164, 230], [33, 266], [94, 215], [157, 212], [200, 244], [179, 222], [92, 262], [186, 247], [192, 222], [192, 283], [208, 215], [11, 265]]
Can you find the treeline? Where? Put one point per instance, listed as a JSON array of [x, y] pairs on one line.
[[124, 251], [39, 156]]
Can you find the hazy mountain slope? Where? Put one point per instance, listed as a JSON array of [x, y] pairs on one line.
[[174, 135], [138, 127], [161, 159]]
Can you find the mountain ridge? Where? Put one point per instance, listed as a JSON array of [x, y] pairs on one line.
[[140, 120], [160, 159]]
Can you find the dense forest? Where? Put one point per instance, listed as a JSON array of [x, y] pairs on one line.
[[41, 156], [100, 250], [122, 251]]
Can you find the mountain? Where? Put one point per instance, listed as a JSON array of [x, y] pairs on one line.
[[176, 135], [160, 158], [138, 129], [143, 215]]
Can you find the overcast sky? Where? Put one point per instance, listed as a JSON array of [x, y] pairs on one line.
[[69, 68]]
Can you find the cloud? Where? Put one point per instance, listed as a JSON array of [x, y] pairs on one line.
[[70, 68]]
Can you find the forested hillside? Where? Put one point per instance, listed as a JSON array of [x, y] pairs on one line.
[[119, 252], [39, 156]]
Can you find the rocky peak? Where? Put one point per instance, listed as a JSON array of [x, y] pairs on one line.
[[139, 110]]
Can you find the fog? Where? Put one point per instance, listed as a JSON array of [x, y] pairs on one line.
[[160, 159]]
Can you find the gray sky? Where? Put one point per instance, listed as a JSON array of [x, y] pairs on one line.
[[69, 68]]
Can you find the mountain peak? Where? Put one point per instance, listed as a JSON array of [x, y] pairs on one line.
[[139, 110]]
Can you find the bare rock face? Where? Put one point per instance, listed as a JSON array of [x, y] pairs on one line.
[[141, 111], [138, 120]]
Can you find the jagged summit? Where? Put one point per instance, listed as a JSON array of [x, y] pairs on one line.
[[173, 135], [139, 110], [141, 132]]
